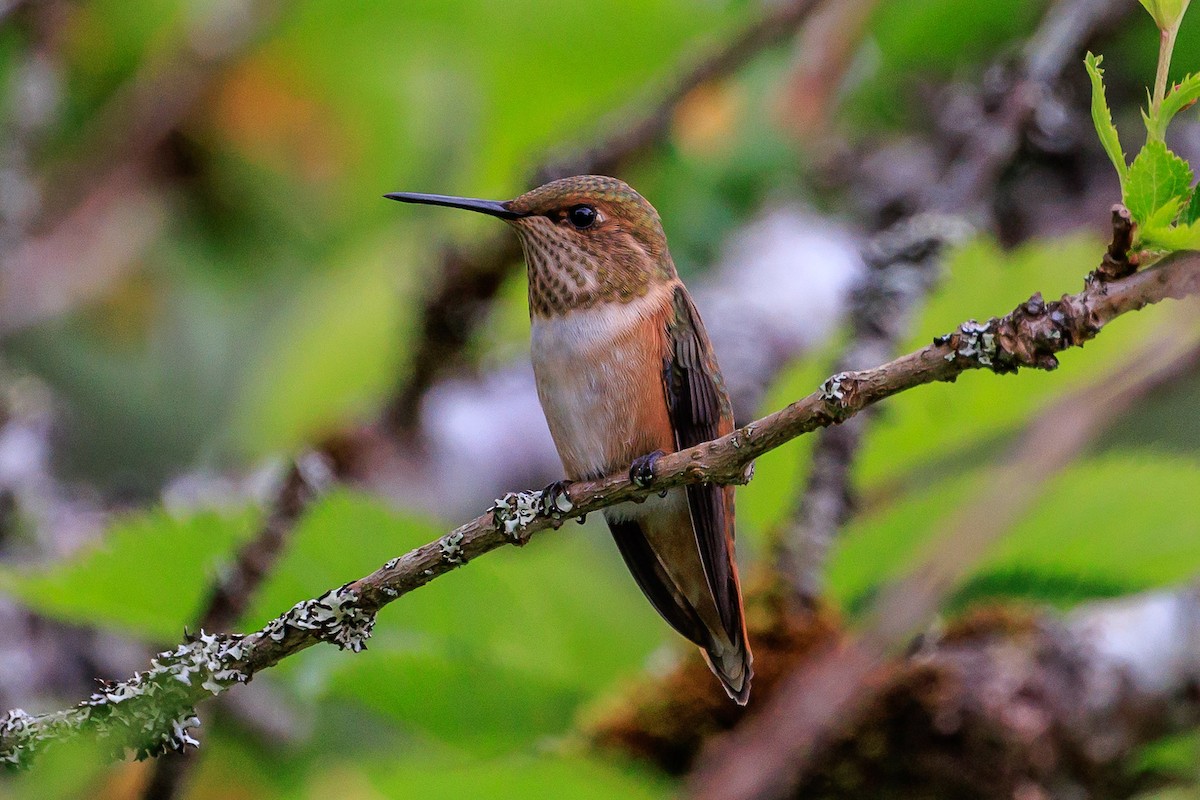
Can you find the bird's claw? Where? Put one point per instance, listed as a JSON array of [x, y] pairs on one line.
[[641, 474], [555, 500]]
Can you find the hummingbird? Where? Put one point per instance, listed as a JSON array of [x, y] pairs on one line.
[[625, 373]]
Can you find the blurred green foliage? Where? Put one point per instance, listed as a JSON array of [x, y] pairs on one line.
[[148, 578], [279, 304]]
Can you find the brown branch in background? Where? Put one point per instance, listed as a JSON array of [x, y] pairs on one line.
[[633, 133], [827, 47], [154, 711], [237, 586], [470, 279], [903, 264], [93, 197], [1057, 44], [878, 328], [778, 747]]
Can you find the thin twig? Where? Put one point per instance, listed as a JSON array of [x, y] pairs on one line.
[[238, 585], [154, 711]]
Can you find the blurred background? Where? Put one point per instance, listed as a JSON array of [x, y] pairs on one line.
[[217, 338]]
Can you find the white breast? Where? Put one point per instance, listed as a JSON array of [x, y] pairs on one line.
[[583, 382]]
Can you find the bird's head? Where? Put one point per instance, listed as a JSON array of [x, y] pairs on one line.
[[587, 239]]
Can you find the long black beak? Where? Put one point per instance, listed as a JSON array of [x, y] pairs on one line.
[[495, 208]]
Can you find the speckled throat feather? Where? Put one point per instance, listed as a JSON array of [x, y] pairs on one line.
[[571, 269]]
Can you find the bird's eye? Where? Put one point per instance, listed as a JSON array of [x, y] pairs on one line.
[[582, 216]]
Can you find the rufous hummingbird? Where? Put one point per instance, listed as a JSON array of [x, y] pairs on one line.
[[625, 373]]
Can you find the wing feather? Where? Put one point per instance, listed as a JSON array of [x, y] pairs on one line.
[[700, 411]]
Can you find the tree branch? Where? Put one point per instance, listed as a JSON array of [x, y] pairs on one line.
[[785, 739], [902, 266], [236, 587], [154, 710], [883, 301]]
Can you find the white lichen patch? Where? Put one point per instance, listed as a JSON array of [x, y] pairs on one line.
[[18, 736], [154, 711], [833, 390], [976, 342], [451, 547], [151, 713], [562, 504], [516, 510], [334, 617], [160, 714]]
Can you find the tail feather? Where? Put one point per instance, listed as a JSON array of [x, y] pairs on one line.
[[733, 666], [646, 546]]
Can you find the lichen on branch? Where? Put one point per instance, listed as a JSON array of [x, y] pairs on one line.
[[153, 711]]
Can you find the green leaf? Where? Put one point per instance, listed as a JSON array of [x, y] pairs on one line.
[[1156, 178], [1166, 13], [479, 705], [1182, 95], [1180, 237], [1192, 212], [1175, 755], [1102, 118], [1106, 525], [148, 577], [1164, 216]]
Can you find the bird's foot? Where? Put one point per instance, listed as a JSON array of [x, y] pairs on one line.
[[642, 471], [556, 501]]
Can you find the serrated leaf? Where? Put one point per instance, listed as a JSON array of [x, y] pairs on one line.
[[1156, 178], [1182, 95], [1102, 118], [1180, 237]]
